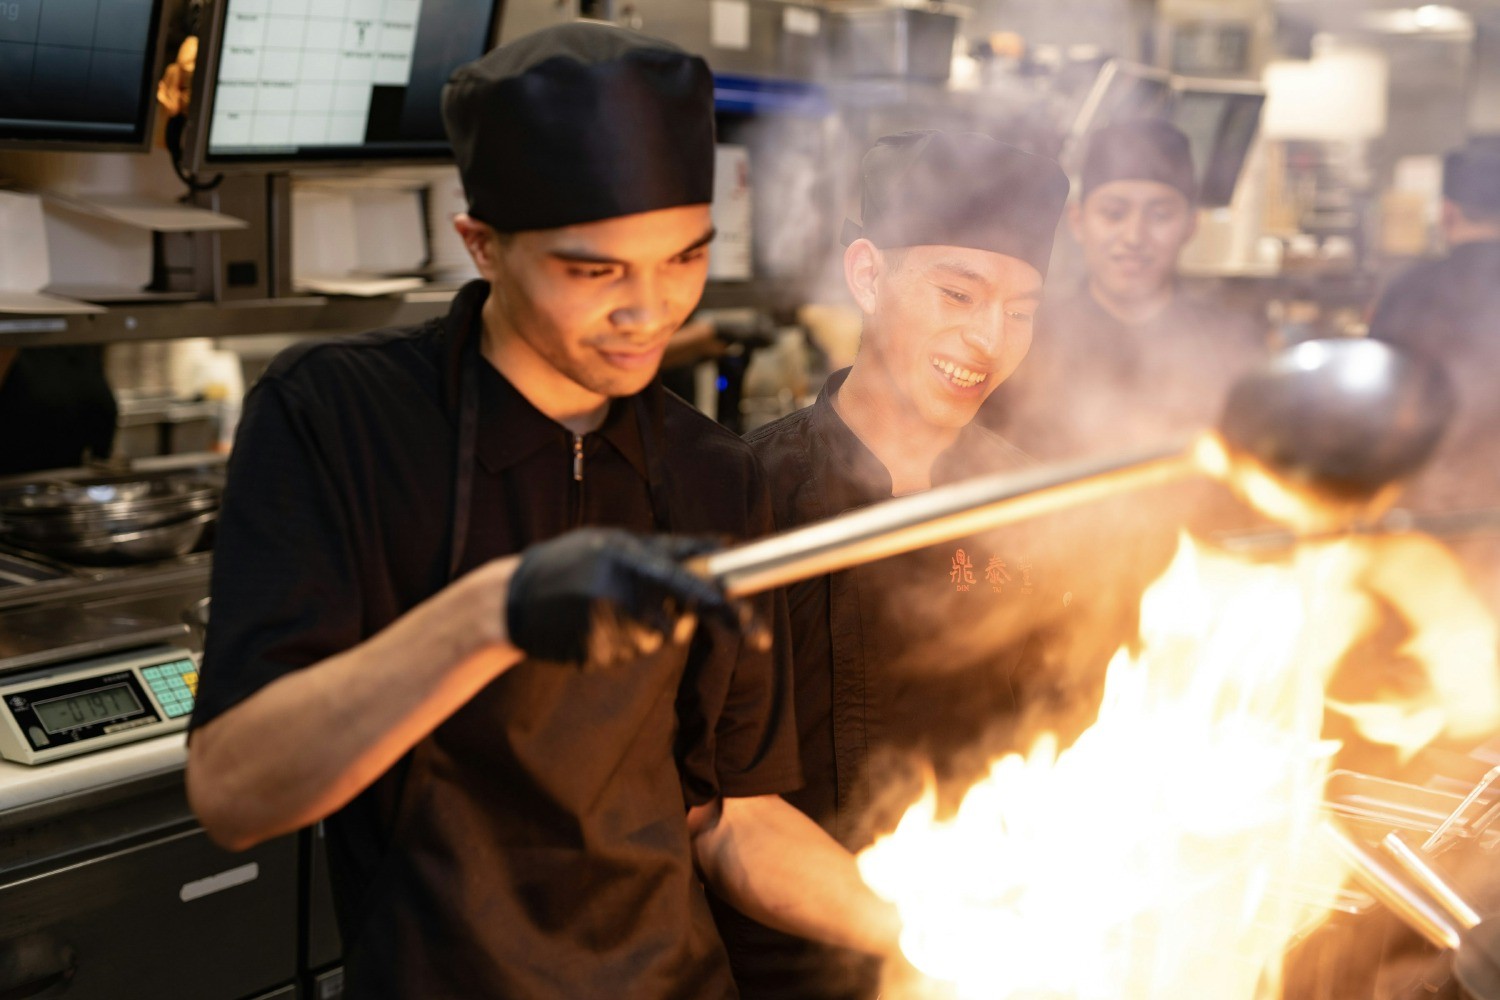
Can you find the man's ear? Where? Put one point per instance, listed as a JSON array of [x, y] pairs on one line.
[[863, 266], [481, 241]]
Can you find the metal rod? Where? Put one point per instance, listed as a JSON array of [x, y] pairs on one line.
[[1391, 887], [1456, 818], [1419, 871], [937, 515]]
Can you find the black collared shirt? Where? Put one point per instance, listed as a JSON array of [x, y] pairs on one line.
[[535, 843], [1094, 385], [912, 665], [1447, 310]]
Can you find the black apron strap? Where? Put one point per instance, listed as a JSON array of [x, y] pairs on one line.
[[651, 421], [464, 457]]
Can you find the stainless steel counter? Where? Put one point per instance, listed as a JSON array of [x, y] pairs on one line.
[[22, 785]]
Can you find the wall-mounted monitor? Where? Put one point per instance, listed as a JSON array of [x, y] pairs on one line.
[[1220, 119], [284, 84], [79, 74], [1123, 91]]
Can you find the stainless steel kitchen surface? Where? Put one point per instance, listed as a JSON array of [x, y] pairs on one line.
[[109, 888]]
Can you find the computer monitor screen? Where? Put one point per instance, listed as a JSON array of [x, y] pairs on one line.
[[1220, 124], [1123, 91], [78, 74], [333, 81]]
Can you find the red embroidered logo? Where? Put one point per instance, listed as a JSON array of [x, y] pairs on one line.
[[962, 574], [997, 575]]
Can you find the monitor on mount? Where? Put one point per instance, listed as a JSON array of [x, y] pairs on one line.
[[285, 84], [1123, 91], [1220, 119], [78, 74]]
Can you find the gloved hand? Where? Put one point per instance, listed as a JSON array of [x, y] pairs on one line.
[[599, 596]]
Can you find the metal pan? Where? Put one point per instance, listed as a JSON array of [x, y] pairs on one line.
[[164, 541]]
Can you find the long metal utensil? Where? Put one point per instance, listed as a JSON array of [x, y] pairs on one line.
[[1343, 417], [938, 515]]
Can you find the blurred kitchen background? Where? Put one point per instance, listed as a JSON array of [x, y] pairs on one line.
[[1318, 125]]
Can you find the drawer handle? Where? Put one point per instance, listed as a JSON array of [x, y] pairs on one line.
[[31, 966]]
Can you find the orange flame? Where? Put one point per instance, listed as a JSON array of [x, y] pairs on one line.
[[1172, 851]]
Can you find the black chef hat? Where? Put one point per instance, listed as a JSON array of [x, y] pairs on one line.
[[581, 122], [1471, 175], [1145, 150], [959, 189]]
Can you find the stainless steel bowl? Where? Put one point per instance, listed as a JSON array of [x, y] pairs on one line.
[[104, 496], [22, 529], [162, 541], [59, 513]]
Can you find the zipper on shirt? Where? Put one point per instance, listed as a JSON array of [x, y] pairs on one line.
[[577, 490]]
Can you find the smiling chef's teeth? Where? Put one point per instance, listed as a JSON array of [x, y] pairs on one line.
[[959, 375]]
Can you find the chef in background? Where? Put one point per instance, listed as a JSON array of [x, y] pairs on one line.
[[439, 625], [1129, 359], [1449, 310]]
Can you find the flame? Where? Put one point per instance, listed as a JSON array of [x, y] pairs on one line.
[[1172, 851]]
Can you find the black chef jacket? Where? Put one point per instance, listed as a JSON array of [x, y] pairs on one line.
[[914, 662], [1093, 385], [1449, 310], [56, 409], [534, 844]]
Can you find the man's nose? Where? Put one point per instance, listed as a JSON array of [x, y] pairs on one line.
[[644, 304], [985, 334], [1134, 229]]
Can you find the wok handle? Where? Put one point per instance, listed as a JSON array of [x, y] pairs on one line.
[[938, 515]]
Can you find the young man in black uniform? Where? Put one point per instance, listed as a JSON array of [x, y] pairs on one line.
[[501, 822], [909, 662], [1449, 310], [1128, 360]]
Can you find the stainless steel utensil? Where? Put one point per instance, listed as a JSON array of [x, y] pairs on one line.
[[1340, 419], [1415, 892]]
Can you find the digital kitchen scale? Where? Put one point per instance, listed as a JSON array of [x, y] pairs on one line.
[[83, 705]]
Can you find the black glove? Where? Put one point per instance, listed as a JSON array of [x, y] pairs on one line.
[[599, 596]]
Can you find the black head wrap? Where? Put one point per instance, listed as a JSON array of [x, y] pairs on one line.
[[581, 122], [1145, 150], [1471, 175], [959, 189]]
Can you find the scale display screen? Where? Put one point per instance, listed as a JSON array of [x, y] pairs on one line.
[[102, 705]]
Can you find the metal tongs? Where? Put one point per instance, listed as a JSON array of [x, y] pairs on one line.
[[1401, 877], [1335, 421]]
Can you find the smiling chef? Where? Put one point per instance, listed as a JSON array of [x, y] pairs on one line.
[[439, 625], [916, 659], [1130, 358]]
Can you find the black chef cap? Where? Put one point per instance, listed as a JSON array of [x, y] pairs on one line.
[[581, 122], [1471, 175], [959, 189], [1145, 150]]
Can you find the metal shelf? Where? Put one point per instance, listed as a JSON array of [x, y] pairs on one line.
[[312, 314], [176, 320]]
